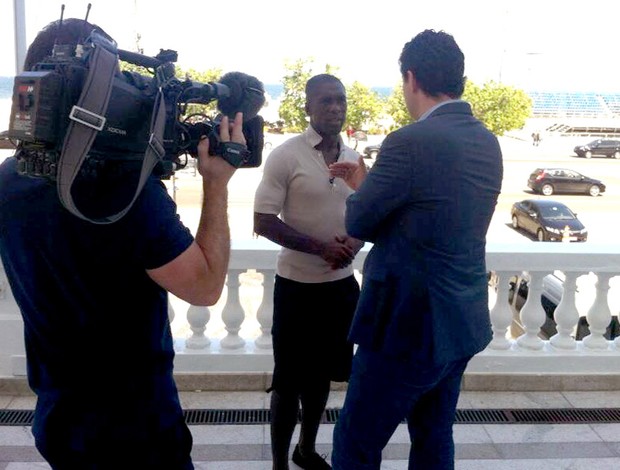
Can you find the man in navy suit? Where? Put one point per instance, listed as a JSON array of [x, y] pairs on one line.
[[423, 312]]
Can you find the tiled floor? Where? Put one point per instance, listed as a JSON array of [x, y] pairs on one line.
[[478, 447]]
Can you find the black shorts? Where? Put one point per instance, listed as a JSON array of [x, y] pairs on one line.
[[311, 323]]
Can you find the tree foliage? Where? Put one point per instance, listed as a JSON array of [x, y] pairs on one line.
[[364, 106], [396, 108], [293, 104], [500, 107]]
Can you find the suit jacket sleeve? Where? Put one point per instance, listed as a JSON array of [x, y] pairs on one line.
[[386, 189]]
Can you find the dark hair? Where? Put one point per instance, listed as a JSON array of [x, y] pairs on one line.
[[437, 63], [70, 31], [314, 82]]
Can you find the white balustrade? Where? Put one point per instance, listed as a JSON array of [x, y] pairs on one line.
[[566, 315], [501, 313], [203, 345], [233, 314], [532, 313], [599, 315], [265, 310], [198, 317]]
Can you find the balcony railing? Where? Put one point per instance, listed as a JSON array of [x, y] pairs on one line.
[[234, 335]]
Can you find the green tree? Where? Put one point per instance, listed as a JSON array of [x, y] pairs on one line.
[[500, 107], [364, 106], [397, 108], [292, 106]]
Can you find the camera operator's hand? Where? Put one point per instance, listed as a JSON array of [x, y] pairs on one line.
[[216, 168]]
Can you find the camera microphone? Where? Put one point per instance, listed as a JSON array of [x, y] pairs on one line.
[[246, 95]]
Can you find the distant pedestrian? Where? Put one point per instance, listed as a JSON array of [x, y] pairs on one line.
[[535, 138], [350, 132]]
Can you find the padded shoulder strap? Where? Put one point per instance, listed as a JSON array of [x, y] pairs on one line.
[[87, 118]]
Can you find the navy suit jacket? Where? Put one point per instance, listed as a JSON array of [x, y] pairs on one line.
[[426, 206]]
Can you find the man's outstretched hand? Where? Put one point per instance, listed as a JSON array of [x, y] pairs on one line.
[[352, 173]]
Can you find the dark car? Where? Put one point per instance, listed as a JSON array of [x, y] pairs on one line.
[[371, 151], [548, 220], [561, 180], [600, 147]]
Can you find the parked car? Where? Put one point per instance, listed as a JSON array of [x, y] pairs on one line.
[[600, 147], [371, 151], [561, 180], [548, 220]]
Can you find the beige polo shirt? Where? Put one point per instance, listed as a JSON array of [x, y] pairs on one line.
[[296, 186]]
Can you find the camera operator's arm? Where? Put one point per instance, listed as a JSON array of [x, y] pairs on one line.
[[198, 274]]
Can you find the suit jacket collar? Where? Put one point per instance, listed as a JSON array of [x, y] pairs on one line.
[[448, 107]]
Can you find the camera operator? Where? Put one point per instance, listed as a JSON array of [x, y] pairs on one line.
[[95, 304]]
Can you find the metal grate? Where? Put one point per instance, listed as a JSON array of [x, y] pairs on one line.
[[16, 417], [480, 416]]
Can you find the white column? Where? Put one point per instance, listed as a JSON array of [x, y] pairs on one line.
[[599, 314], [233, 313], [532, 313], [501, 313], [198, 317], [566, 314], [19, 26], [264, 315]]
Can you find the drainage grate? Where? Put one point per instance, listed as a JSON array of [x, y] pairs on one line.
[[227, 416], [16, 417], [483, 416]]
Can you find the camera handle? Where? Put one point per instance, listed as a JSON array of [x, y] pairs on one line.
[[87, 119]]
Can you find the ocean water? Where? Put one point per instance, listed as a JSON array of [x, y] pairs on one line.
[[6, 87], [269, 113], [273, 89]]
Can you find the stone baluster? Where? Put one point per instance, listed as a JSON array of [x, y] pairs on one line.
[[264, 315], [599, 314], [566, 314], [532, 314], [501, 314], [233, 313], [11, 328], [198, 317], [171, 312]]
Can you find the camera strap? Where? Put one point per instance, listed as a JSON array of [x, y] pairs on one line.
[[87, 119]]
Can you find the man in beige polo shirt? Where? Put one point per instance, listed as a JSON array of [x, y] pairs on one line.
[[300, 207]]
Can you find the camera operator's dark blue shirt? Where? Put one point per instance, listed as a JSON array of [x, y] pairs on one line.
[[96, 326]]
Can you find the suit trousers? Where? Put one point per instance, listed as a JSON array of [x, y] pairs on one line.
[[383, 391]]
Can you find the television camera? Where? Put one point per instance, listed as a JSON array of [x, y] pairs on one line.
[[75, 112]]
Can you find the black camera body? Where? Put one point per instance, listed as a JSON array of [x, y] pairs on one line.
[[44, 105]]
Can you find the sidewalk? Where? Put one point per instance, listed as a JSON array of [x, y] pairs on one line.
[[478, 446]]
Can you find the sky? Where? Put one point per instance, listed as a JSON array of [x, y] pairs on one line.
[[532, 44]]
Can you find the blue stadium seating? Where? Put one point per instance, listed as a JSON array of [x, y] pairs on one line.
[[574, 104]]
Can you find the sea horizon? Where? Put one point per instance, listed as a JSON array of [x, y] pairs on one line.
[[274, 90]]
